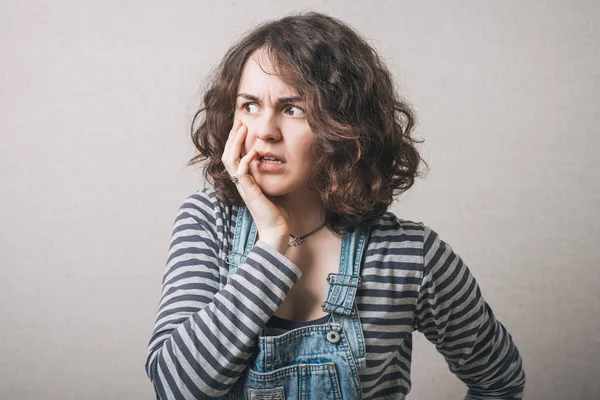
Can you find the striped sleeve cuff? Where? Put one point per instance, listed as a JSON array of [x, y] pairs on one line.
[[276, 265]]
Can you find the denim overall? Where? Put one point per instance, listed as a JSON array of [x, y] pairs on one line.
[[311, 362]]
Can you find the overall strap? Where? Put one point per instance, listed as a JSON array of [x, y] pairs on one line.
[[243, 241], [344, 284]]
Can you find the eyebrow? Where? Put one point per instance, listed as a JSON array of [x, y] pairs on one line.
[[281, 100]]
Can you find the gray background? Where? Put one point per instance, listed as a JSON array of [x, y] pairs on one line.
[[96, 101]]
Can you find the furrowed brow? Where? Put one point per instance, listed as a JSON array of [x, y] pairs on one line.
[[281, 100]]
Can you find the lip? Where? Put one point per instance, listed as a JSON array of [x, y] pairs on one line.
[[263, 166], [272, 155]]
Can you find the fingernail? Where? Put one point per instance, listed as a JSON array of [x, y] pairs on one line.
[[240, 128]]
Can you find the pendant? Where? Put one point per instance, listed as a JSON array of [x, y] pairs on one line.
[[295, 242]]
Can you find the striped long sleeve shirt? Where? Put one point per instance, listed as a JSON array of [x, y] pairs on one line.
[[206, 327]]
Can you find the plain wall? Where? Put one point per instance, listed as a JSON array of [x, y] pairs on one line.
[[96, 102]]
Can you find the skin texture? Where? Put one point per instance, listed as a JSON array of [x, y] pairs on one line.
[[282, 129], [263, 123]]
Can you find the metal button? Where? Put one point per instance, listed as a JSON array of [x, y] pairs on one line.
[[333, 337]]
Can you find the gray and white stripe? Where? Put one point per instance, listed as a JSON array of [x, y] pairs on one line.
[[412, 280]]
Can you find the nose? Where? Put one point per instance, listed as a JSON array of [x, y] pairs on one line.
[[266, 128]]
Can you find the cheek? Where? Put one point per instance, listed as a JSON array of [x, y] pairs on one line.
[[307, 146]]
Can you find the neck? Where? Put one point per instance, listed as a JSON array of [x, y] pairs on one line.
[[305, 210]]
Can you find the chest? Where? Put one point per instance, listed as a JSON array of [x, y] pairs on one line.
[[317, 261]]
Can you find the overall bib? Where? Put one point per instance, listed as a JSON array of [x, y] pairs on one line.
[[311, 362]]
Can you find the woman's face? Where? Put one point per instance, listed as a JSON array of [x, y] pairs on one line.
[[276, 121]]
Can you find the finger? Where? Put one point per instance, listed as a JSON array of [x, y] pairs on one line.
[[232, 133], [239, 140], [246, 185], [243, 167], [230, 163], [236, 125]]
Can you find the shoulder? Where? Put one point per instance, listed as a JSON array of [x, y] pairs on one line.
[[201, 201], [206, 195], [389, 223], [393, 228], [395, 254], [389, 230], [204, 204]]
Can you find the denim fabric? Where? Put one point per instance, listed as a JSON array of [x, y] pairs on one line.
[[303, 363]]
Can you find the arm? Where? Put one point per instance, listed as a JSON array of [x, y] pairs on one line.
[[204, 336], [453, 315]]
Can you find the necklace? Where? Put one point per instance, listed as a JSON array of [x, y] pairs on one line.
[[296, 241]]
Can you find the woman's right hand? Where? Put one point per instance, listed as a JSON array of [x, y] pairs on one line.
[[271, 219]]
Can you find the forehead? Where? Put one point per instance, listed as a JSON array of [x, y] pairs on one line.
[[259, 78]]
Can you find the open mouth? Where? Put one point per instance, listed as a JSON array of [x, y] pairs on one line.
[[270, 160]]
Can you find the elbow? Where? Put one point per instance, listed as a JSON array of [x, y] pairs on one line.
[[507, 383], [166, 370], [150, 365]]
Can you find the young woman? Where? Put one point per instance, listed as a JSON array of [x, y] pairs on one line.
[[288, 278]]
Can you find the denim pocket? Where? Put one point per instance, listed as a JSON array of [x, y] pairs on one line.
[[313, 381]]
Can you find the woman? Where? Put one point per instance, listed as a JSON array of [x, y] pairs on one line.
[[289, 278]]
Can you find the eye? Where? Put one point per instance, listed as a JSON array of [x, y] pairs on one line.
[[295, 111], [250, 108]]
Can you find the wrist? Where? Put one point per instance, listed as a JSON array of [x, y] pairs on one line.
[[279, 243]]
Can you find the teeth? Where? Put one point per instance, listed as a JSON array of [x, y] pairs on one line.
[[271, 160]]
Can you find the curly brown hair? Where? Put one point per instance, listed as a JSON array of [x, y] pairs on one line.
[[363, 154]]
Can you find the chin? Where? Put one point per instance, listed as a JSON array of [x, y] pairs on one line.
[[272, 186], [272, 190]]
